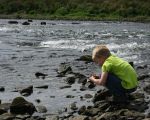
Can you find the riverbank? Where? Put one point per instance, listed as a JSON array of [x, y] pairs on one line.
[[76, 18], [102, 108]]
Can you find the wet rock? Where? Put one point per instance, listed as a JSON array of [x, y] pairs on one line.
[[38, 100], [81, 78], [101, 95], [102, 105], [144, 76], [52, 117], [12, 22], [83, 88], [92, 112], [75, 23], [43, 86], [21, 106], [25, 23], [70, 80], [64, 69], [5, 107], [69, 96], [27, 91], [138, 103], [7, 116], [136, 95], [82, 110], [90, 85], [36, 118], [87, 58], [41, 109], [2, 111], [147, 89], [40, 75], [88, 96], [142, 67], [67, 86], [80, 117], [43, 23], [2, 89], [29, 20], [73, 106], [52, 96], [123, 114], [66, 116], [22, 117]]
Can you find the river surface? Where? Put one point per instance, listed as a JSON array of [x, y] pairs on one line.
[[25, 50]]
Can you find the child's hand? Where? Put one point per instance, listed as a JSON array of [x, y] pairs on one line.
[[91, 78]]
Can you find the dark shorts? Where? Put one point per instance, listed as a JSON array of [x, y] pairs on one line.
[[113, 83]]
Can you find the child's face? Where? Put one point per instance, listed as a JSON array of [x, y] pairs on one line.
[[99, 61]]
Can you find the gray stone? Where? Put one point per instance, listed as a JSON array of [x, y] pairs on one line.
[[70, 80], [7, 116], [88, 96], [52, 117], [80, 117], [82, 110], [41, 109], [73, 106], [27, 91], [64, 69]]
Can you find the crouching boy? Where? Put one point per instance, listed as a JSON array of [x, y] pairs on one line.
[[117, 75]]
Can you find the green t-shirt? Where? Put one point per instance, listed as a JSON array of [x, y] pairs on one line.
[[122, 70]]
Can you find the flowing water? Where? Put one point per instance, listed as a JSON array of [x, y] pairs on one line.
[[25, 50]]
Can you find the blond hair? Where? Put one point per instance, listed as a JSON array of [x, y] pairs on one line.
[[100, 50]]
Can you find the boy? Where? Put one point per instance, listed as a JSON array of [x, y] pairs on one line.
[[117, 75]]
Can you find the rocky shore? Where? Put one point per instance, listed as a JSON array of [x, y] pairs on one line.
[[101, 109]]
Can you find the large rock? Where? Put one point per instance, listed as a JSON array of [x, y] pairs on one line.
[[21, 106], [27, 91]]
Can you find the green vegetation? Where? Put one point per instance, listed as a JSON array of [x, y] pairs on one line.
[[77, 9]]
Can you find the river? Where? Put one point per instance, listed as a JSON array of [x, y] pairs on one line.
[[26, 49]]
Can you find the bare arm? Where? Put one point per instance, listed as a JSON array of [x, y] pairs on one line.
[[100, 81]]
